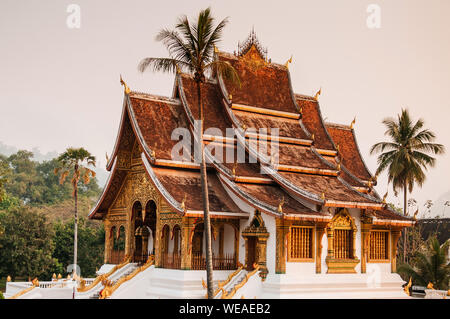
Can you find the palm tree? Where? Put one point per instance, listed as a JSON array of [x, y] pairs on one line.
[[406, 154], [431, 266], [191, 48], [75, 161]]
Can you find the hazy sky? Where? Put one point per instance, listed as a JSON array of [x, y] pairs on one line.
[[59, 86]]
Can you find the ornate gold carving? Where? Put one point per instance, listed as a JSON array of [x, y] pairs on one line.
[[353, 123], [125, 86], [316, 97]]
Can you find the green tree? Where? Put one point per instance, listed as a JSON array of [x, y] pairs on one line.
[[75, 161], [406, 155], [90, 245], [430, 266], [191, 48], [26, 244]]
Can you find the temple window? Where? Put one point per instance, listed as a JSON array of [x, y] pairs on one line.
[[300, 246], [341, 233], [379, 245], [343, 243]]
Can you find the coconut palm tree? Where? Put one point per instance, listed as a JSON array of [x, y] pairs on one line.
[[75, 161], [191, 48], [406, 155], [430, 266]]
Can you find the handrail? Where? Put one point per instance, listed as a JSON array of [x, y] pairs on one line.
[[20, 293], [108, 290], [222, 284], [239, 285], [102, 277]]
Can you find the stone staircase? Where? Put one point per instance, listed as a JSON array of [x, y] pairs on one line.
[[94, 293]]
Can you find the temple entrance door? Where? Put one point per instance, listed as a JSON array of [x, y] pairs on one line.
[[252, 253]]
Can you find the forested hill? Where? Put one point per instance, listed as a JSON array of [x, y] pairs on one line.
[[36, 220]]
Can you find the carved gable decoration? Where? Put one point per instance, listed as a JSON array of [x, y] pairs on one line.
[[136, 187], [343, 220]]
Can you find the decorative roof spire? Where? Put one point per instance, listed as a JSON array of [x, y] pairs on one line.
[[252, 40]]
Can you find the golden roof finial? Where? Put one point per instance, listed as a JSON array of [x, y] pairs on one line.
[[385, 196], [316, 97], [353, 123], [233, 171], [216, 50], [54, 276], [183, 203], [153, 153], [280, 205], [230, 97], [430, 285], [287, 62], [312, 136], [323, 196], [415, 214], [178, 69], [339, 167], [408, 286], [126, 88], [8, 279], [59, 276]]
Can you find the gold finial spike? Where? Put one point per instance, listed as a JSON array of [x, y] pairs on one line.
[[59, 276], [234, 169], [287, 62], [408, 286], [353, 123], [204, 284], [415, 214], [312, 136], [230, 97], [126, 88], [183, 203], [430, 285], [178, 69], [370, 183], [280, 205], [339, 167], [153, 154], [337, 148], [385, 196], [8, 279], [54, 276], [323, 196], [316, 97], [215, 49], [244, 127]]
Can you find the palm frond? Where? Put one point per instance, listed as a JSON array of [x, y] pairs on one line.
[[162, 64]]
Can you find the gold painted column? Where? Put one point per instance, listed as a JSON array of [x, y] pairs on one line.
[[107, 241], [262, 255], [186, 251], [395, 235], [320, 231], [365, 237], [281, 231], [330, 237]]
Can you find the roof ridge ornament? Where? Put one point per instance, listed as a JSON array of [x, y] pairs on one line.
[[287, 62], [316, 97], [126, 88], [252, 40], [353, 123]]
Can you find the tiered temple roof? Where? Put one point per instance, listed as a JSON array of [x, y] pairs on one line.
[[318, 164]]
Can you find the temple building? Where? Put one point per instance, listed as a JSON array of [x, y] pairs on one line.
[[299, 219]]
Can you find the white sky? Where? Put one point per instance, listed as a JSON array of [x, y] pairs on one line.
[[59, 87]]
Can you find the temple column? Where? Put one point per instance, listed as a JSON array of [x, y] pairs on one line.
[[365, 237], [320, 231], [108, 243], [262, 255], [281, 231], [221, 240], [186, 251], [395, 235], [330, 237]]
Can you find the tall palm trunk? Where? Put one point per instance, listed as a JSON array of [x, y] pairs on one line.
[[75, 230], [405, 192], [204, 180]]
